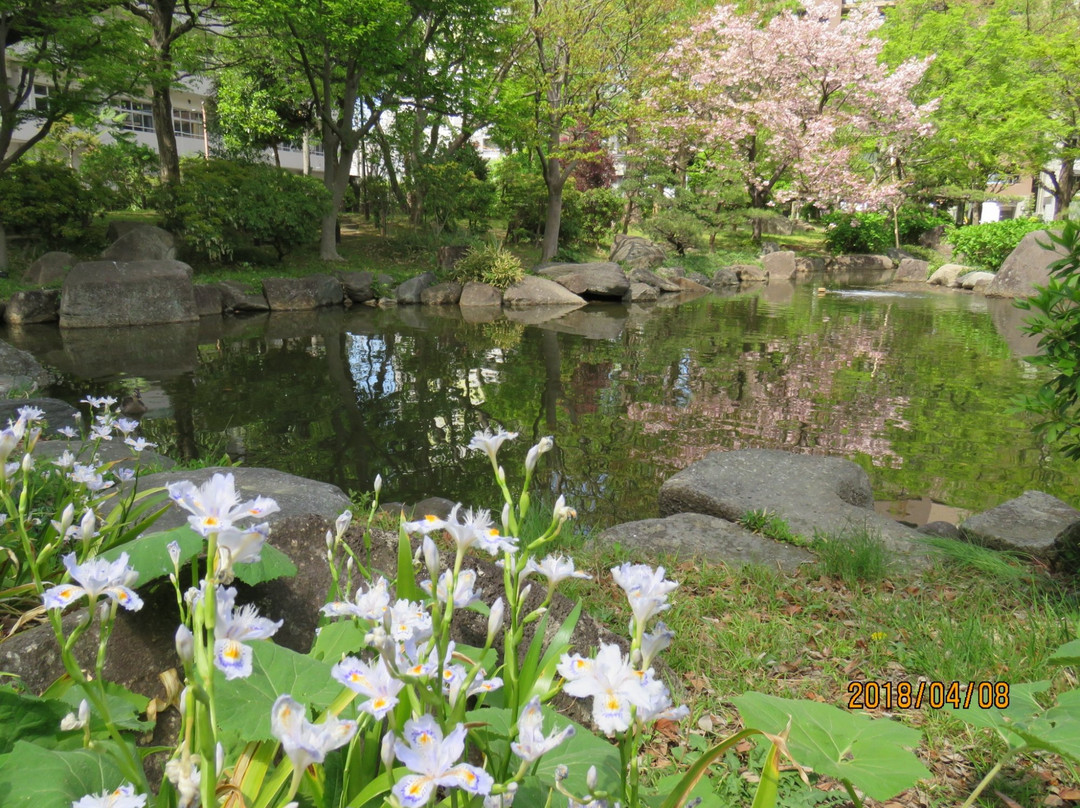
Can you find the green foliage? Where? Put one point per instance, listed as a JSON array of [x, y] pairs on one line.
[[44, 201], [679, 228], [599, 209], [222, 206], [522, 199], [854, 555], [121, 175], [489, 264], [866, 232], [772, 526], [457, 189], [1055, 320], [988, 245]]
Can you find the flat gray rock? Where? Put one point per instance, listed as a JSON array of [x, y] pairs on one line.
[[33, 306], [234, 297], [599, 280], [947, 274], [749, 273], [857, 262], [807, 265], [635, 252], [913, 270], [476, 294], [301, 294], [51, 267], [58, 414], [441, 294], [1026, 267], [1029, 524], [19, 370], [975, 280], [142, 242], [358, 286], [641, 293], [780, 265], [117, 293], [208, 299], [408, 293], [811, 492], [536, 291], [650, 278], [699, 536]]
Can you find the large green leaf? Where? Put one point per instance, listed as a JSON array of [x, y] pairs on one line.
[[149, 554], [28, 718], [272, 564], [1068, 654], [34, 777], [337, 639], [244, 704], [1022, 711], [125, 707], [873, 754]]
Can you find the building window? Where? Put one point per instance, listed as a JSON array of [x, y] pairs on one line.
[[187, 123], [139, 117], [41, 98]]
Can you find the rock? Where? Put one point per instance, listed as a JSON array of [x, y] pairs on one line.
[[1026, 267], [913, 270], [699, 278], [635, 252], [974, 280], [1030, 524], [897, 255], [593, 281], [49, 268], [20, 371], [449, 256], [442, 294], [302, 294], [944, 530], [115, 453], [642, 293], [769, 247], [932, 237], [780, 265], [859, 263], [690, 285], [724, 277], [142, 242], [696, 536], [208, 299], [476, 294], [672, 272], [650, 278], [234, 297], [295, 495], [809, 265], [811, 492], [58, 414], [408, 293], [536, 291], [115, 293], [749, 273], [358, 286], [777, 226], [946, 274], [33, 306]]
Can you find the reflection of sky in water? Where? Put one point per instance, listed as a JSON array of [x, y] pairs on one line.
[[368, 358]]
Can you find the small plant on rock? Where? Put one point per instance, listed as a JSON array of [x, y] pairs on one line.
[[489, 264]]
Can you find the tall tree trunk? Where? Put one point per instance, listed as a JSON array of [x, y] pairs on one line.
[[336, 164], [3, 249], [556, 173], [1066, 187], [161, 105]]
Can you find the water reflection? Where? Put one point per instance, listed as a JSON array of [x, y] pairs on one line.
[[913, 386]]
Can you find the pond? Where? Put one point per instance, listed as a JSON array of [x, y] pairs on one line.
[[915, 386]]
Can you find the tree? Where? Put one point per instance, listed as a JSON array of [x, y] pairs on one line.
[[799, 104], [61, 60]]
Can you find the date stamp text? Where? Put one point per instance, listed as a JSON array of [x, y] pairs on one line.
[[874, 695]]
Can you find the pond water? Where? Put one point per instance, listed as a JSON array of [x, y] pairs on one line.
[[915, 386]]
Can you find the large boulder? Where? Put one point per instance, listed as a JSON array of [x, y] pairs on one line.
[[641, 293], [479, 295], [690, 285], [235, 298], [20, 371], [1034, 524], [780, 265], [860, 263], [358, 286], [913, 269], [33, 306], [301, 294], [592, 281], [408, 293], [696, 536], [812, 493], [635, 252], [749, 273], [533, 290], [49, 268], [142, 243], [442, 294], [809, 264], [114, 454], [117, 293], [977, 281], [1026, 267], [947, 274], [208, 299], [650, 278], [724, 277]]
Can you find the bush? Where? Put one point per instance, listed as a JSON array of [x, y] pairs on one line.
[[489, 264], [44, 201], [121, 175], [679, 228], [221, 206], [988, 245], [867, 232], [457, 190], [522, 201], [599, 209]]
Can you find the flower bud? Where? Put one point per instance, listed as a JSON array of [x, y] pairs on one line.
[[506, 519], [219, 756], [431, 557], [495, 620], [561, 772], [27, 462], [502, 476], [185, 644], [590, 779], [66, 518], [174, 553], [341, 524], [88, 524], [544, 445], [329, 539], [386, 751], [378, 484]]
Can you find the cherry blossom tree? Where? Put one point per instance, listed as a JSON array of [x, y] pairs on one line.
[[799, 104]]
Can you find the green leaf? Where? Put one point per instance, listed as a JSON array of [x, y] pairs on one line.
[[406, 578], [1068, 654], [28, 718], [57, 779], [337, 639], [149, 554], [124, 706], [1022, 710], [244, 704], [273, 564], [873, 754]]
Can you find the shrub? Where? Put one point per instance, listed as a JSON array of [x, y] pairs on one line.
[[44, 201], [679, 228], [120, 175], [489, 264], [522, 201], [599, 209], [988, 245], [221, 206], [867, 232], [455, 193]]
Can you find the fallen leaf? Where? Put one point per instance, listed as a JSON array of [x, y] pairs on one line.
[[1070, 794]]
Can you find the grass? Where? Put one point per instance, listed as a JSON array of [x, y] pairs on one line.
[[855, 555], [810, 634], [773, 526]]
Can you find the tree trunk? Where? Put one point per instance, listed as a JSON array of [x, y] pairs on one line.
[[552, 221], [1066, 188], [336, 178], [3, 249], [161, 105]]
